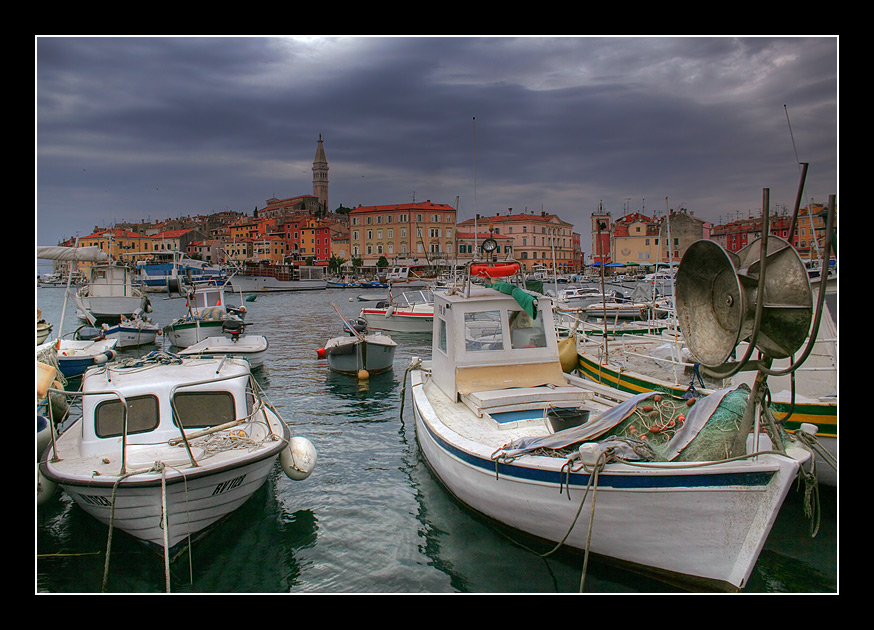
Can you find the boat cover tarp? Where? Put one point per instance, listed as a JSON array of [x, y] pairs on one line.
[[88, 254], [697, 417], [526, 300]]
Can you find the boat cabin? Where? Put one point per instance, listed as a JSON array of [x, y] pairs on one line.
[[110, 281], [491, 352], [159, 399]]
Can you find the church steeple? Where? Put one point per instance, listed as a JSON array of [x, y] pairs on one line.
[[320, 175]]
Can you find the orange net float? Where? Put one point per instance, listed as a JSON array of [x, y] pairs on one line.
[[494, 271]]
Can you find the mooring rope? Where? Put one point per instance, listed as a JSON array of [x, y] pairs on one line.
[[415, 364]]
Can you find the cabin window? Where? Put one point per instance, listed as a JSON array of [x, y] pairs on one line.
[[441, 335], [526, 332], [482, 331], [203, 409], [142, 416]]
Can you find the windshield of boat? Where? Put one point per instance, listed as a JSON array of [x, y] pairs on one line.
[[203, 409], [483, 330], [416, 297], [142, 416]]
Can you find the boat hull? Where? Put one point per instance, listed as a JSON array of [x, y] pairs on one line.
[[132, 337], [269, 284], [398, 321], [347, 355], [822, 414], [187, 333], [196, 498], [75, 357], [719, 515], [252, 348], [110, 308]]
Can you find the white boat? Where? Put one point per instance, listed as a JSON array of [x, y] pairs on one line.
[[516, 439], [58, 280], [232, 343], [359, 353], [403, 278], [578, 297], [208, 311], [198, 439], [110, 294], [411, 311], [43, 328], [268, 277], [133, 332], [74, 356]]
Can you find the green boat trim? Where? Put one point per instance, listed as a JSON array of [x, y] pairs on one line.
[[823, 415]]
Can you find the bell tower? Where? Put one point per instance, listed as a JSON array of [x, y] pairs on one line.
[[320, 175]]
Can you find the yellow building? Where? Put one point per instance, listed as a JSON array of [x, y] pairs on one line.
[[120, 244]]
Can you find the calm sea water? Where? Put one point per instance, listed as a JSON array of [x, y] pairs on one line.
[[371, 518]]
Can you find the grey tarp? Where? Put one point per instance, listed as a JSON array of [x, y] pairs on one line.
[[89, 254], [695, 420]]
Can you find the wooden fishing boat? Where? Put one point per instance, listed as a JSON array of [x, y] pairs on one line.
[[208, 312], [110, 294], [372, 352], [516, 439]]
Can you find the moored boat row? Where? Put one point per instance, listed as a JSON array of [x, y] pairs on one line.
[[514, 436]]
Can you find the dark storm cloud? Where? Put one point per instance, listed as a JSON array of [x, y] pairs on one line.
[[131, 128]]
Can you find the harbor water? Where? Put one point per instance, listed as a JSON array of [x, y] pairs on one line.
[[372, 518]]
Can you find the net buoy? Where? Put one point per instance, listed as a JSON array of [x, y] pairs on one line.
[[45, 489], [106, 355], [320, 353], [298, 459], [363, 375]]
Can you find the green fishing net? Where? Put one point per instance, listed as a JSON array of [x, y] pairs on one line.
[[656, 421]]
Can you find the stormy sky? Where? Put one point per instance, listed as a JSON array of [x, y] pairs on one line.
[[147, 128]]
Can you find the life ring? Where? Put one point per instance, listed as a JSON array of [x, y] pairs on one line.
[[494, 271]]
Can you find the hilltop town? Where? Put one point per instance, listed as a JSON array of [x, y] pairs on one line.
[[304, 230]]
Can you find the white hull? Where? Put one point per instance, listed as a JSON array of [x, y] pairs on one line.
[[252, 348], [417, 322], [703, 526], [194, 503], [132, 337], [348, 355], [113, 307], [613, 310], [267, 284], [187, 333]]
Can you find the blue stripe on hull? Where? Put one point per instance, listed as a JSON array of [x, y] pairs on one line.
[[677, 479]]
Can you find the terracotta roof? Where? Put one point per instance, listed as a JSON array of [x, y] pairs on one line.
[[423, 205]]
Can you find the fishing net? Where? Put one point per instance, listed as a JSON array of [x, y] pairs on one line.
[[659, 423]]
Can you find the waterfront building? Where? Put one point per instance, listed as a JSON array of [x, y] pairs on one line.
[[808, 237], [640, 239], [118, 243], [407, 234], [537, 239]]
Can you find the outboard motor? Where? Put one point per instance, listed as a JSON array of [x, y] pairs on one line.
[[233, 327]]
